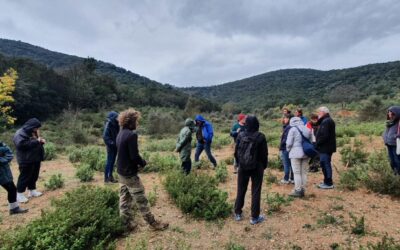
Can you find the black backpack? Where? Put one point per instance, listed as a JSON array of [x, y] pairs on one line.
[[247, 151]]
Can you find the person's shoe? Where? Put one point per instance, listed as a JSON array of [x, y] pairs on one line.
[[291, 181], [258, 220], [297, 193], [159, 226], [325, 186], [284, 182], [34, 193], [18, 210], [238, 217], [112, 180], [313, 170], [21, 198], [235, 170]]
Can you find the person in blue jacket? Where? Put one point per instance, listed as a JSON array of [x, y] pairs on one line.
[[111, 129], [204, 135]]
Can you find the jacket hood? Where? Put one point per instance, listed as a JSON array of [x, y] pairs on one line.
[[252, 124], [31, 124], [296, 121], [190, 123], [396, 111], [112, 115], [200, 118]]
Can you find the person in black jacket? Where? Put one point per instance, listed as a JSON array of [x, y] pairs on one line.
[[326, 145], [30, 154], [128, 163], [110, 133], [255, 172]]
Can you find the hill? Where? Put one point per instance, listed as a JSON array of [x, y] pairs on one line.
[[306, 86]]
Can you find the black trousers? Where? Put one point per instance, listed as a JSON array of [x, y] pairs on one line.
[[186, 166], [28, 176], [11, 191], [256, 177]]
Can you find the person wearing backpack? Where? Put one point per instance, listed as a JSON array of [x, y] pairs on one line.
[[237, 128], [184, 145], [390, 136], [251, 152], [204, 135], [284, 154], [298, 158]]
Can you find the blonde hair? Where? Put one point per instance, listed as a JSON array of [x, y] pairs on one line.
[[129, 118]]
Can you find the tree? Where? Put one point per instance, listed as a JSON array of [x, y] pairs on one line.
[[372, 109], [344, 94], [7, 87]]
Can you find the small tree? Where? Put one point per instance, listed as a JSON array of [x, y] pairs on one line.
[[372, 109], [7, 87], [344, 94]]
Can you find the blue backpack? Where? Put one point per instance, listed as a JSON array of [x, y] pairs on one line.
[[308, 147]]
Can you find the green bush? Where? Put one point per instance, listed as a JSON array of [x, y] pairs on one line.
[[230, 161], [275, 202], [358, 225], [270, 178], [387, 243], [329, 219], [153, 196], [84, 172], [49, 151], [221, 172], [275, 163], [343, 141], [93, 156], [74, 154], [164, 145], [353, 156], [234, 246], [221, 140], [159, 163], [202, 164], [56, 181], [197, 194], [85, 218]]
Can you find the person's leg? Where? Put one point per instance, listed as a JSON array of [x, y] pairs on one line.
[[327, 168], [304, 171], [242, 183], [296, 165], [394, 159], [286, 166], [25, 173], [125, 207], [187, 166], [199, 150], [11, 192], [207, 148], [322, 161], [111, 157], [256, 186], [34, 176]]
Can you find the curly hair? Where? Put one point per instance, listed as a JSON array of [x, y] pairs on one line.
[[129, 118]]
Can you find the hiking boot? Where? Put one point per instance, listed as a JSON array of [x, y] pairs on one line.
[[325, 186], [18, 210], [238, 217], [34, 193], [297, 193], [159, 226], [284, 182], [258, 220], [21, 198]]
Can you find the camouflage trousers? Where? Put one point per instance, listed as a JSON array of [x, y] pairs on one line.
[[132, 196]]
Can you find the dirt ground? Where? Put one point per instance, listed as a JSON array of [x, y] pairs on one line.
[[295, 226]]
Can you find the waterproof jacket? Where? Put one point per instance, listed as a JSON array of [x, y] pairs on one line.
[[111, 129], [129, 159], [6, 157], [326, 135], [251, 128], [184, 142], [282, 146], [29, 149], [392, 130], [304, 119], [294, 140], [234, 131], [206, 129]]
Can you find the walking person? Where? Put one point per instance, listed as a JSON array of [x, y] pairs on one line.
[[128, 163], [204, 135], [237, 128], [251, 151], [111, 129], [30, 154], [284, 154], [298, 158], [390, 136], [6, 180], [184, 145], [326, 145]]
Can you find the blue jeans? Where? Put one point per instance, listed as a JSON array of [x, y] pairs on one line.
[[326, 165], [207, 147], [287, 166], [111, 157], [394, 159]]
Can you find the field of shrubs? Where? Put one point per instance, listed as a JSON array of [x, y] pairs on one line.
[[83, 212]]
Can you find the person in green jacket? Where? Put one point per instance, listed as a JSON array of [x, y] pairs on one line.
[[184, 145]]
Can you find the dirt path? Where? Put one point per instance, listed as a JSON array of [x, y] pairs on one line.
[[295, 225]]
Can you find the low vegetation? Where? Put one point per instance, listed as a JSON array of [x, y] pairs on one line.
[[56, 181]]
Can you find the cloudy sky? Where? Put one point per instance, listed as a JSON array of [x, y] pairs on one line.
[[205, 42]]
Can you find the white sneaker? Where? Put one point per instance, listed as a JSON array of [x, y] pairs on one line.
[[34, 193], [284, 182], [21, 198]]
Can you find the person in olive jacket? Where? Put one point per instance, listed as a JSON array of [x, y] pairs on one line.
[[326, 145], [6, 179], [30, 154], [184, 145]]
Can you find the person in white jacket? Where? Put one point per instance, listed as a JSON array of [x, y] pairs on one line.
[[298, 158]]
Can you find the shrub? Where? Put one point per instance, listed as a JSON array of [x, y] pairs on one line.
[[270, 178], [353, 178], [275, 163], [84, 172], [221, 172], [161, 145], [343, 141], [353, 156], [202, 164], [329, 219], [93, 156], [49, 151], [358, 225], [159, 123], [221, 140], [153, 196], [55, 182], [275, 202], [74, 154], [197, 194], [234, 246], [387, 243], [159, 163], [85, 218], [230, 161]]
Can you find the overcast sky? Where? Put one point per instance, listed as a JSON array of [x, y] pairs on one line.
[[205, 42]]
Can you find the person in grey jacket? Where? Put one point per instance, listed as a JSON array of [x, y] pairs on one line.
[[298, 158], [390, 135]]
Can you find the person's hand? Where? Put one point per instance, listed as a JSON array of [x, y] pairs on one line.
[[41, 140], [204, 141], [238, 130]]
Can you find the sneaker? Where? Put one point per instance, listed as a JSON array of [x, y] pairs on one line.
[[34, 193], [291, 181], [284, 182], [325, 186], [238, 217], [21, 198], [18, 210], [159, 226], [235, 170], [260, 219], [297, 194]]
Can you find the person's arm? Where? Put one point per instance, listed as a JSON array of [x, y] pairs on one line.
[[263, 152], [234, 131], [210, 133], [133, 149], [290, 139], [237, 147], [182, 141], [22, 142], [323, 133], [107, 135], [6, 155]]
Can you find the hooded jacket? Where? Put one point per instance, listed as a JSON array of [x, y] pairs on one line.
[[326, 135], [29, 149], [294, 140], [128, 159], [392, 131], [6, 157], [111, 129], [206, 129], [251, 128], [184, 142]]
